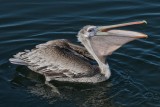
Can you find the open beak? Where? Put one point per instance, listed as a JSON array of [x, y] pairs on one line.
[[107, 30]]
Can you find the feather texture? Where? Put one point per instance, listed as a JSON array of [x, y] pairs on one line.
[[57, 59]]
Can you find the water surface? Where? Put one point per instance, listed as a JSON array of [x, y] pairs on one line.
[[135, 66]]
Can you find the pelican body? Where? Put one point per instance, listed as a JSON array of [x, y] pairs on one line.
[[61, 60]]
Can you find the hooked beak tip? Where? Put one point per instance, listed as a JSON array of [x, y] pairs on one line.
[[142, 36], [146, 36], [144, 21]]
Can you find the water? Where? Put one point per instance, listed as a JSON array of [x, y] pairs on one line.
[[135, 66]]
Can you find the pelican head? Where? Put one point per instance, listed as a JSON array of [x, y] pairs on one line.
[[101, 41]]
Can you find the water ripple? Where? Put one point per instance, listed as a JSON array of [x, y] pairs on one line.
[[135, 66]]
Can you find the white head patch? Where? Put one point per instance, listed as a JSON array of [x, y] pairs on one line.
[[90, 31]]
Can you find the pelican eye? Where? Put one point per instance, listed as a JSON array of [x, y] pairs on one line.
[[90, 30]]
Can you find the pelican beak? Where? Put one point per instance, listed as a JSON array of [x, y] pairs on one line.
[[107, 30]]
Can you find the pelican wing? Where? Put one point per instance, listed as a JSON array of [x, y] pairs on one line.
[[55, 59], [81, 50]]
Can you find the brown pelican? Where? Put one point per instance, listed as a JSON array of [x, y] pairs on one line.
[[61, 60]]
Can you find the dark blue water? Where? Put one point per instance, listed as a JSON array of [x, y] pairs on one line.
[[135, 80]]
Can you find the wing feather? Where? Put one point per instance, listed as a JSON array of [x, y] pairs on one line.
[[57, 58]]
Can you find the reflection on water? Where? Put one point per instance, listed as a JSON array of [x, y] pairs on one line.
[[121, 89], [135, 66]]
